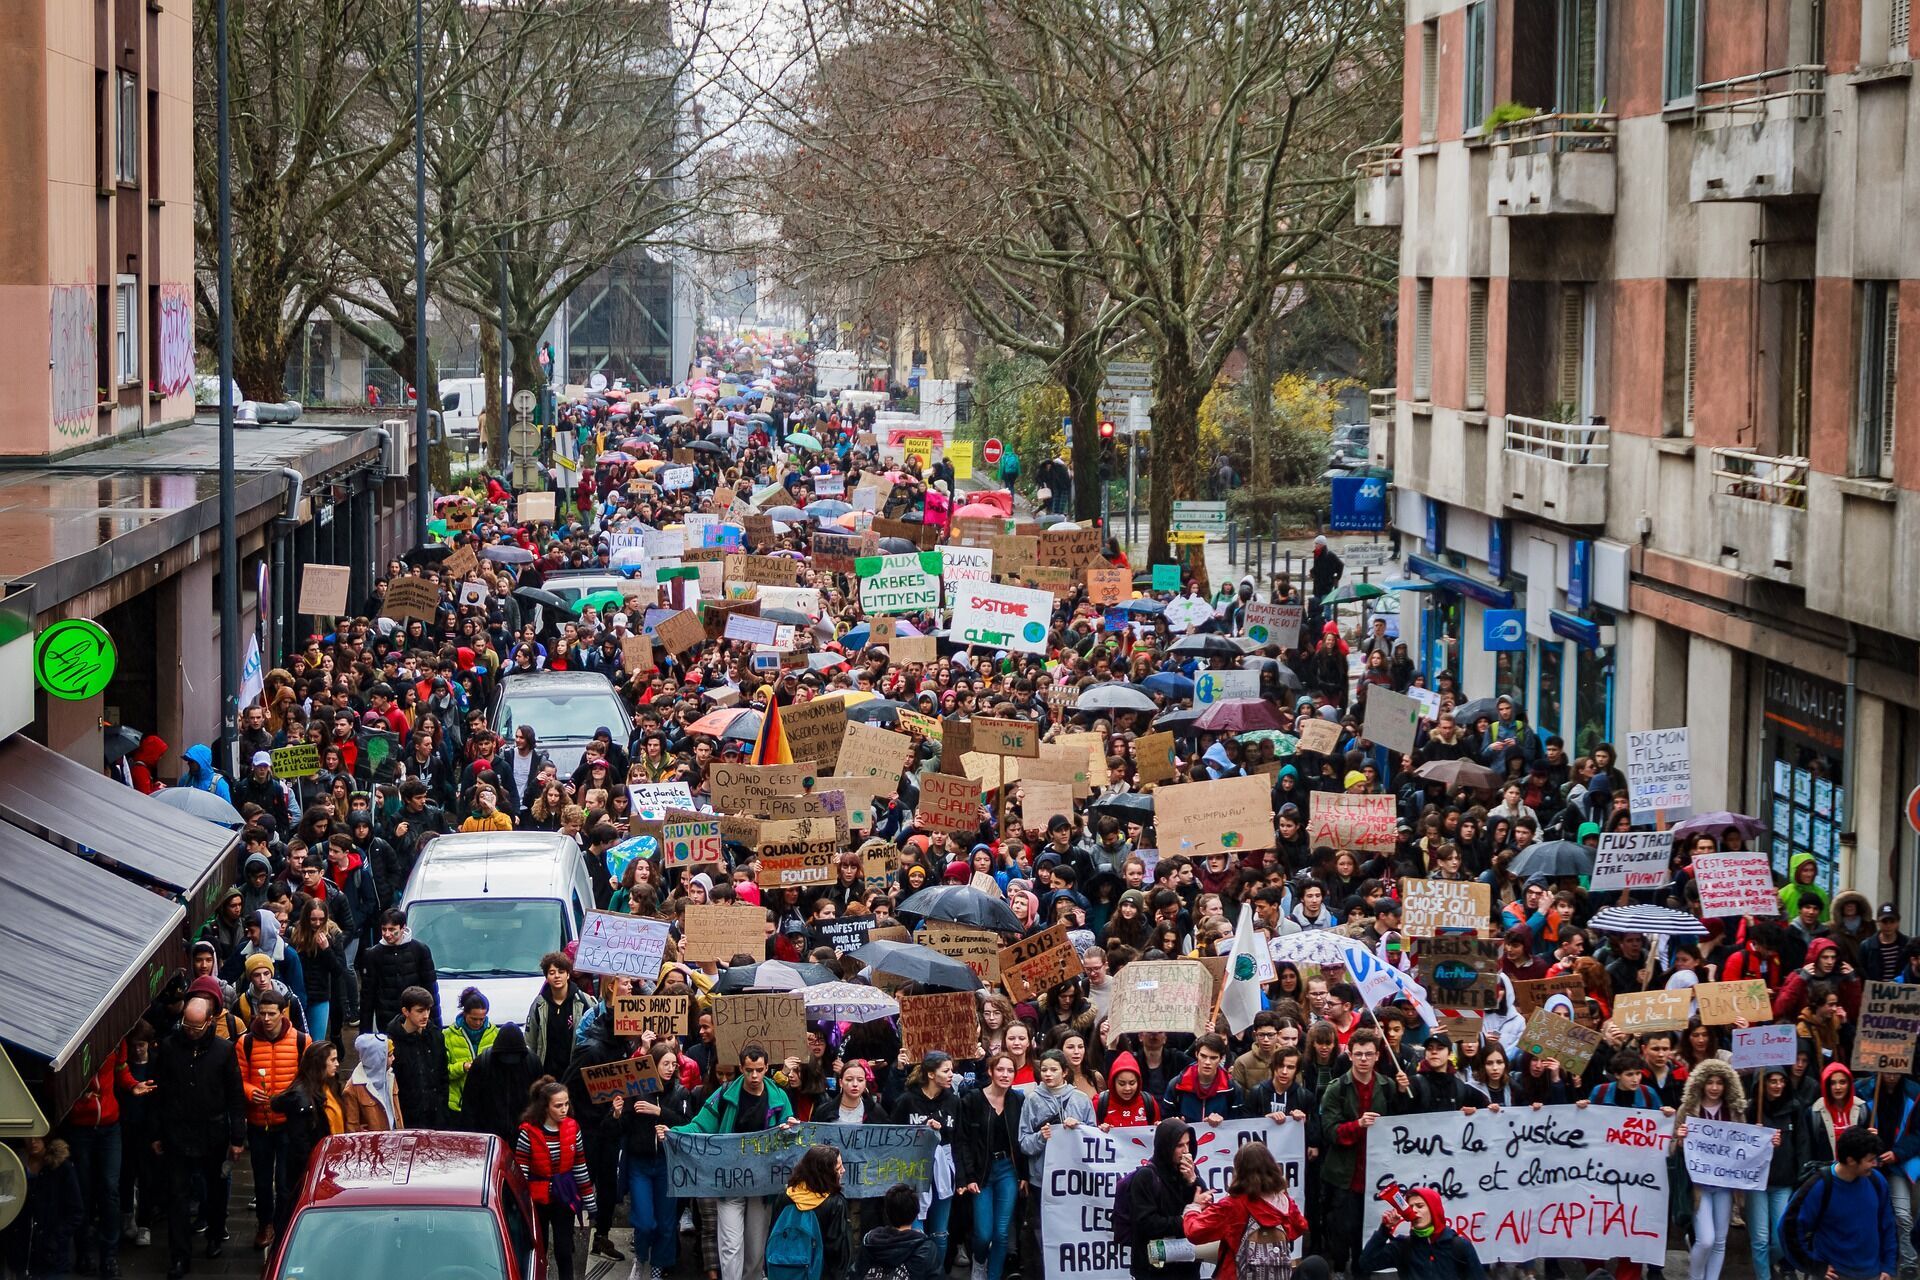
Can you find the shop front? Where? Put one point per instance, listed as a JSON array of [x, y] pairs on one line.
[[1803, 747]]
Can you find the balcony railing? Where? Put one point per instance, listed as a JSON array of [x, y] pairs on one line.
[[1793, 92], [1559, 133], [1571, 444], [1759, 477], [1382, 161], [1378, 189]]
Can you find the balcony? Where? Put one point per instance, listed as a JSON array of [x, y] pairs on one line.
[[1760, 137], [1379, 196], [1759, 506], [1556, 470], [1382, 412], [1549, 166]]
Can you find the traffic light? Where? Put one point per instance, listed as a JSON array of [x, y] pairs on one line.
[[1106, 433]]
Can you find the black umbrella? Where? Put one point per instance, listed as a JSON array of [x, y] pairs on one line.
[[1554, 858], [1212, 646], [772, 975], [792, 617], [431, 553], [545, 599], [1178, 718], [1128, 806], [897, 546], [916, 963], [1282, 673], [876, 711], [960, 904], [1467, 712], [119, 742], [709, 446]]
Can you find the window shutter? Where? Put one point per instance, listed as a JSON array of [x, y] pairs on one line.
[[1477, 344], [1572, 343], [1423, 340], [1429, 78], [1889, 374], [1897, 35], [1692, 357]]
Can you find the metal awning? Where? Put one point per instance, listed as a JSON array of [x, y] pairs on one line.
[[1582, 631], [1453, 580], [88, 813], [83, 952]]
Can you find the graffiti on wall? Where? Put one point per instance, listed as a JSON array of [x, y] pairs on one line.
[[176, 340], [75, 359]]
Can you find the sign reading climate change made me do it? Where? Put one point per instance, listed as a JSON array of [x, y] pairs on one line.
[[1002, 617]]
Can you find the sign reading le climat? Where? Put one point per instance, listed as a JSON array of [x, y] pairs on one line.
[[1002, 617]]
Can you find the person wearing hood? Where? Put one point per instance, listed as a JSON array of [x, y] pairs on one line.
[[370, 1103], [1834, 1112], [471, 1033], [144, 764], [200, 773], [1205, 1091], [1802, 872], [1125, 1104], [256, 881], [225, 931], [1158, 1194], [1258, 1204], [1775, 1107], [497, 1084], [898, 1247], [1431, 1250], [1824, 964], [1713, 1092]]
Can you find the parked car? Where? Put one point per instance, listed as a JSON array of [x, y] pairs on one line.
[[564, 708], [415, 1204]]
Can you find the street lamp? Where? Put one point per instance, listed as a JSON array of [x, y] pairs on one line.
[[229, 540], [422, 500]]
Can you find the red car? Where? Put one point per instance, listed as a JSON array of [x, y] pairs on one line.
[[411, 1205]]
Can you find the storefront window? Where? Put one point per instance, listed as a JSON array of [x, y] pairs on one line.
[[1548, 699], [1440, 635], [1592, 698], [1805, 727], [1510, 678]]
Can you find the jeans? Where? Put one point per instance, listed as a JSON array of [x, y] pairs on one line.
[[935, 1225], [1763, 1210], [268, 1147], [1900, 1192], [1712, 1220], [743, 1238], [317, 1018], [654, 1214], [96, 1158], [993, 1216]]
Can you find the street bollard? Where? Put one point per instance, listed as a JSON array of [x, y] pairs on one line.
[[1233, 542]]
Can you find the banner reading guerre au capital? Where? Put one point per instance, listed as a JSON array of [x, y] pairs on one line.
[[1084, 1167], [1562, 1182], [708, 1165]]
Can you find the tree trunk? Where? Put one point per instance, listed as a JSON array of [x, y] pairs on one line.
[[1260, 351], [262, 345], [493, 438], [1176, 445], [1080, 370]]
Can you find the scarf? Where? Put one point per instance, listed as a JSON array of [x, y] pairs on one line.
[[371, 1073]]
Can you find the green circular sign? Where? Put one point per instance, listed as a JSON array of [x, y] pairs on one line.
[[74, 659]]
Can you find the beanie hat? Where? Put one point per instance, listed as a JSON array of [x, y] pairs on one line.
[[210, 986], [259, 960], [1354, 778]]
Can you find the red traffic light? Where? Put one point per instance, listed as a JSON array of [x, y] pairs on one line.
[[1106, 431]]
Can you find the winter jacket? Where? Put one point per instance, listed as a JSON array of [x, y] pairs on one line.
[[420, 1070], [99, 1106], [1158, 1195], [1791, 998], [1822, 1127], [497, 1085], [885, 1251], [1045, 1107], [1790, 896], [54, 1214], [1444, 1255], [830, 1216], [973, 1145], [328, 982], [306, 1124], [385, 974], [463, 1046], [268, 1067], [202, 1106], [638, 1138], [1443, 1091], [200, 772], [1228, 1218], [1345, 1159], [717, 1115], [915, 1107], [363, 899], [1186, 1099], [540, 1014], [144, 764]]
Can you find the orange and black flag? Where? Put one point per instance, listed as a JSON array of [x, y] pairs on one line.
[[771, 746]]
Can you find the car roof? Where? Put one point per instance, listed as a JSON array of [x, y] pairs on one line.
[[408, 1166], [585, 681], [472, 863]]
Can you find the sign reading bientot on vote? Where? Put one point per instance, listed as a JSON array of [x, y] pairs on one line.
[[908, 583], [705, 1166], [1660, 775], [1002, 617]]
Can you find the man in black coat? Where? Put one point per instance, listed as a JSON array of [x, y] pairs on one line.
[[419, 1059], [203, 1127], [390, 967]]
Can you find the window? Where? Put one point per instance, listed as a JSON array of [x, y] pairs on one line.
[[1571, 372], [1429, 79], [1476, 344], [126, 128], [1898, 26], [1423, 340], [126, 330], [1580, 70], [1879, 372], [1683, 65], [1682, 357], [1477, 95]]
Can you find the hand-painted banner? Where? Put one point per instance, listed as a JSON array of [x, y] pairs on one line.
[[1560, 1182], [1084, 1166], [703, 1166]]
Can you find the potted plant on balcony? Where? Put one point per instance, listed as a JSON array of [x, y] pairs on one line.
[[1506, 114]]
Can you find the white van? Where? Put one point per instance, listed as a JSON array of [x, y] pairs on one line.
[[490, 904], [462, 402]]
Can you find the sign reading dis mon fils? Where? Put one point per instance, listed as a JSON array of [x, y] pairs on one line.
[[1002, 617]]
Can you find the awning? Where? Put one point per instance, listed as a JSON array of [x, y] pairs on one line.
[[1453, 580], [1582, 631], [83, 952], [90, 814]]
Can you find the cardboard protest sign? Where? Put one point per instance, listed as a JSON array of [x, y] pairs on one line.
[[1348, 821], [1040, 801], [1153, 758], [680, 632], [743, 788], [1393, 720], [948, 804], [1227, 815], [775, 1022], [630, 946], [1109, 585], [1319, 736], [1006, 737], [906, 650], [918, 725], [1631, 860], [1531, 993], [956, 740], [535, 507], [1721, 1003], [411, 596], [978, 949], [815, 728], [800, 852], [719, 931], [859, 792], [1768, 1045], [836, 552], [1461, 971], [1637, 1011], [659, 796], [868, 749], [1889, 1022], [1161, 995], [297, 760], [1071, 548], [662, 1015], [946, 1022], [1659, 767], [907, 583], [323, 589], [1039, 963], [636, 654], [772, 571], [623, 1077], [462, 562], [1736, 884], [1549, 1035], [1432, 907]]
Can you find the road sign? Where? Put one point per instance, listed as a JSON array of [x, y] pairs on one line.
[[1913, 808], [1202, 517], [522, 403], [1365, 555], [991, 451]]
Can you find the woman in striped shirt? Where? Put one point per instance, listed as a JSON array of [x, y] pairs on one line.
[[553, 1158]]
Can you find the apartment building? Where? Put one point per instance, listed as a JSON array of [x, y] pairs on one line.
[[1648, 441]]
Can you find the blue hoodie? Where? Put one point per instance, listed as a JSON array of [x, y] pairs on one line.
[[1856, 1231], [200, 774]]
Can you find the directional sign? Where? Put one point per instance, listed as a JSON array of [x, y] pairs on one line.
[[1201, 517]]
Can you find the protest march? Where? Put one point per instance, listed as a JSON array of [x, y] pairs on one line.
[[958, 898]]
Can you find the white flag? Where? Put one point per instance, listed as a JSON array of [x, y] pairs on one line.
[[1240, 998], [253, 679]]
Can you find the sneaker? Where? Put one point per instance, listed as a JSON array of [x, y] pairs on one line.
[[978, 1271], [655, 1273], [127, 1227], [143, 1237], [603, 1247]]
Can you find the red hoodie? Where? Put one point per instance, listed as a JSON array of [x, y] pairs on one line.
[[1141, 1110], [1225, 1220], [99, 1105], [339, 874]]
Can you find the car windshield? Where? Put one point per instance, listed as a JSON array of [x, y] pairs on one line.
[[479, 937], [561, 715], [571, 589], [401, 1243]]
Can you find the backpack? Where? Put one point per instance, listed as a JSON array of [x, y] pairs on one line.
[[1123, 1212], [1787, 1234], [795, 1248], [1265, 1253]]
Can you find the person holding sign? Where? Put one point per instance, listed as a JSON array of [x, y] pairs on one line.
[[749, 1104], [1713, 1093], [1158, 1196], [642, 1122]]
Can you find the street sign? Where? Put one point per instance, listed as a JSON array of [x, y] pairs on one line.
[[1366, 555], [522, 403], [1200, 517], [991, 451], [1913, 808]]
